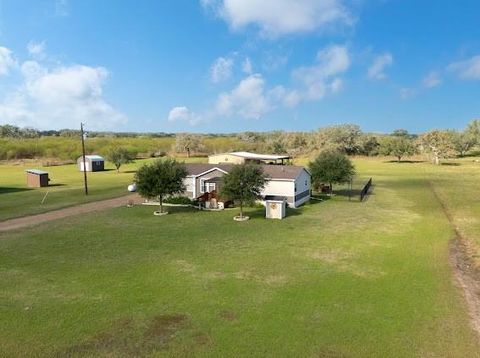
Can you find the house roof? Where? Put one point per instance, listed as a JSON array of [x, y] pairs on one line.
[[194, 169], [282, 171], [285, 172]]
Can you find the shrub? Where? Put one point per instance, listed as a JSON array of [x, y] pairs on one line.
[[183, 200]]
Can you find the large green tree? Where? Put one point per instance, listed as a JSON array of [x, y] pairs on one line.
[[188, 143], [343, 138], [463, 142], [331, 167], [243, 184], [119, 156], [160, 178], [473, 129], [397, 146], [440, 144]]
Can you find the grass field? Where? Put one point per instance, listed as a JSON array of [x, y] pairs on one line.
[[335, 278], [66, 187]]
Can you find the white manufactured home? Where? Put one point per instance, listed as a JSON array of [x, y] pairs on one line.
[[291, 183]]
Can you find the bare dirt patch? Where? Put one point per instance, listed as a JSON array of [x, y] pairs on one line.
[[162, 326], [127, 337], [466, 274], [228, 315]]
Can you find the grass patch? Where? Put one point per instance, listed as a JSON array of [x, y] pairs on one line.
[[335, 278], [66, 187]]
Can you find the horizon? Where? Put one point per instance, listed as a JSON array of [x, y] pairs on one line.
[[228, 66]]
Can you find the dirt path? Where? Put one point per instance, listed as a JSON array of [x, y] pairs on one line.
[[31, 220], [466, 276]]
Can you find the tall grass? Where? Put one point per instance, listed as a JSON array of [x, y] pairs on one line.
[[70, 148]]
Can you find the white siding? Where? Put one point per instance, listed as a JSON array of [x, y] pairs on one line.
[[302, 182], [279, 187], [189, 184]]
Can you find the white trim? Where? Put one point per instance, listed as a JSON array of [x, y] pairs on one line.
[[194, 188], [208, 171], [279, 179]]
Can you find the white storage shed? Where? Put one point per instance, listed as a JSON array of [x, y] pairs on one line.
[[275, 207]]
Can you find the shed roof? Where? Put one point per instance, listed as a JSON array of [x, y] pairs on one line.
[[275, 198], [93, 157], [36, 171], [255, 156]]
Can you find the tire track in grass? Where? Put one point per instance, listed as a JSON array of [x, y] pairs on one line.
[[466, 276]]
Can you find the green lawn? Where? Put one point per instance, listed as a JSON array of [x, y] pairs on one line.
[[66, 187], [334, 279]]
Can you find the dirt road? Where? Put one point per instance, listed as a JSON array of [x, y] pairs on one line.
[[32, 220]]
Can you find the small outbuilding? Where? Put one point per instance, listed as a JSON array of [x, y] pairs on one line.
[[275, 207], [93, 163], [37, 178]]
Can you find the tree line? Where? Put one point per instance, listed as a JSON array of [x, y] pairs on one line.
[[349, 139]]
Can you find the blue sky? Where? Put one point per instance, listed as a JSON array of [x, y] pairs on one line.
[[235, 65]]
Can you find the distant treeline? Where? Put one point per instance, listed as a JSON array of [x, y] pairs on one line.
[[26, 143]]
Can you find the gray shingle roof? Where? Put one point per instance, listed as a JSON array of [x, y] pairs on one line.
[[288, 172]]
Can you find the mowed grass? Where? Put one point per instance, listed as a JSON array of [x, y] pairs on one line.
[[335, 279], [66, 187]]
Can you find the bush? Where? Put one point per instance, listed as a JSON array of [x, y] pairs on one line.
[[179, 200]]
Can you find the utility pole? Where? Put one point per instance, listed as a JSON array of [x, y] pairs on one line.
[[84, 161]]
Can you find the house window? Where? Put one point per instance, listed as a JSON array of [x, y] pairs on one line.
[[306, 182], [207, 187]]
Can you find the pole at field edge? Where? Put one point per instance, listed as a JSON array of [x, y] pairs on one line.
[[84, 161]]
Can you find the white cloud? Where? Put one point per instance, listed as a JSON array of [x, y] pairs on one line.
[[280, 17], [61, 8], [36, 49], [288, 98], [380, 63], [221, 69], [336, 85], [251, 98], [431, 80], [6, 61], [274, 61], [247, 100], [247, 66], [15, 110], [406, 92], [60, 97], [323, 76], [468, 69], [183, 114]]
